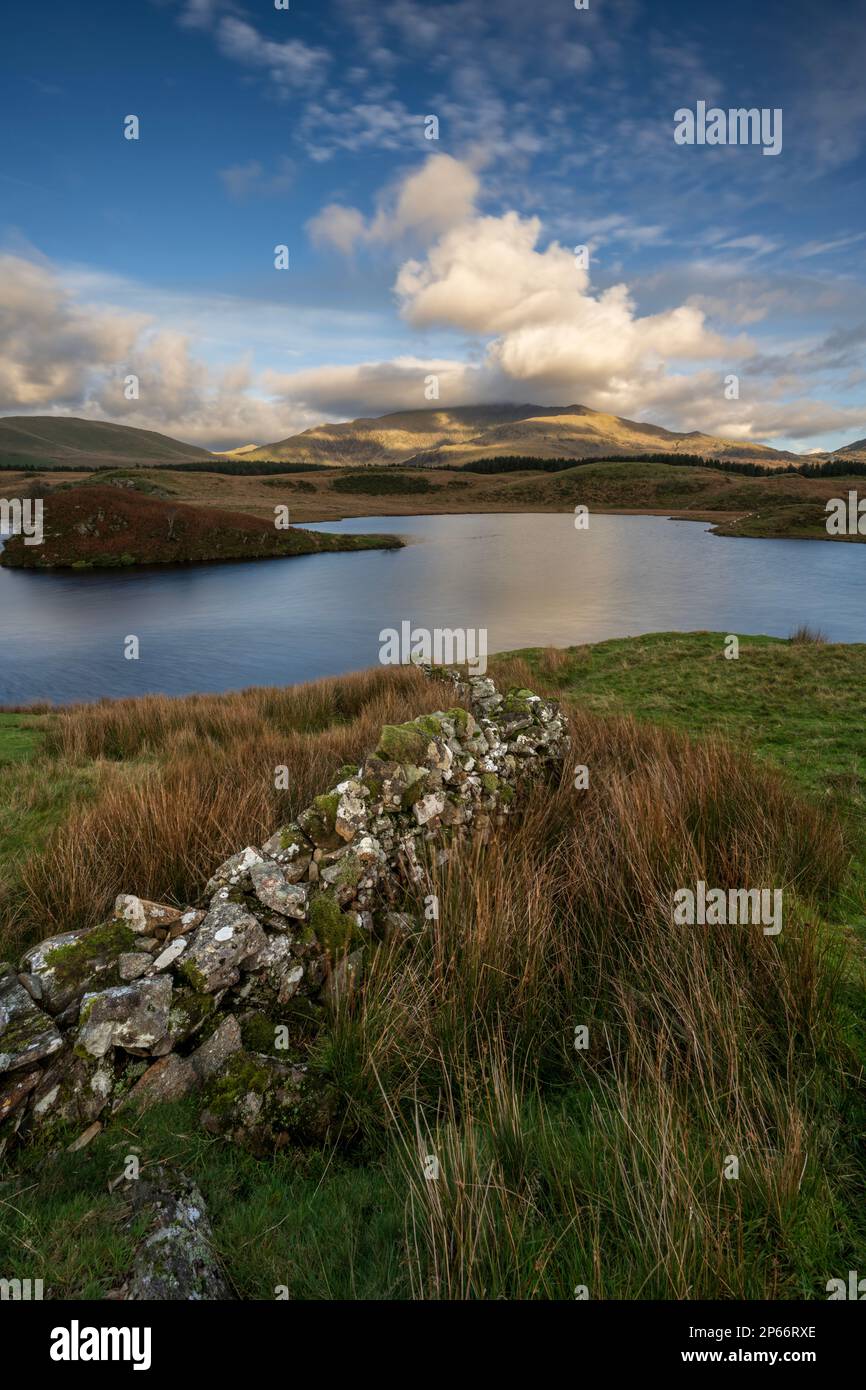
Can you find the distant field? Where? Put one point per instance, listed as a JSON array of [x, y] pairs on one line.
[[787, 505]]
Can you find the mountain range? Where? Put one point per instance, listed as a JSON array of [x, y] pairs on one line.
[[430, 437]]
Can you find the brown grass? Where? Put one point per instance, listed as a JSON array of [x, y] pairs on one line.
[[183, 783], [701, 1039]]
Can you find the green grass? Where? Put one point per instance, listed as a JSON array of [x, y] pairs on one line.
[[798, 705], [319, 1226], [20, 736], [569, 1175]]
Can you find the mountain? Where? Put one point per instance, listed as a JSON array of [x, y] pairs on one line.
[[67, 440], [468, 433], [855, 451]]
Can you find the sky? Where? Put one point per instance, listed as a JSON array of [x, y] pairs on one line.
[[722, 288]]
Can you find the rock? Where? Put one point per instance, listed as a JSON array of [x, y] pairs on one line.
[[190, 1010], [264, 1104], [278, 972], [234, 871], [213, 1055], [129, 909], [292, 851], [134, 1017], [226, 937], [173, 951], [274, 890], [175, 1262], [68, 965], [351, 815], [132, 964], [187, 923], [27, 1035], [14, 1089], [33, 986], [169, 1079], [318, 821], [73, 1090], [428, 807]]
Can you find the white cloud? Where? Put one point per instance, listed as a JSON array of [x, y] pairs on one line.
[[439, 195]]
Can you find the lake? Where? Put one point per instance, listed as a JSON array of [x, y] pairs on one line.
[[529, 579]]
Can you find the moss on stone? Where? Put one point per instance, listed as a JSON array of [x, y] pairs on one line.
[[73, 962], [244, 1072], [191, 972], [291, 835], [188, 1012], [489, 781], [319, 819], [258, 1033], [460, 719], [403, 743], [429, 724], [334, 930]]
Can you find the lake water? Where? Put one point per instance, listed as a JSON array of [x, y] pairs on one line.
[[531, 580]]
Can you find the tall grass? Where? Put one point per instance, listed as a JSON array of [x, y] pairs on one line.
[[177, 785], [604, 1167], [558, 1168]]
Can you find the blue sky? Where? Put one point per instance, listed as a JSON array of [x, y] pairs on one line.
[[411, 256]]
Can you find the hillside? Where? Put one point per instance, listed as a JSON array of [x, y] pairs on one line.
[[467, 433], [56, 439], [855, 451], [96, 527]]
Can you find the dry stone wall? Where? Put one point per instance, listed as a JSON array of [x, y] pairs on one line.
[[223, 997]]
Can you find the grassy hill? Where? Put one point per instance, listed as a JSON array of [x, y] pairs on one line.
[[108, 527], [467, 433], [604, 1170], [52, 440]]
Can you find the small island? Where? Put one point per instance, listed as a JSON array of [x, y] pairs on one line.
[[107, 527]]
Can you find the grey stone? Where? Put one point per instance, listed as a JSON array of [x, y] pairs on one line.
[[134, 1016], [226, 937], [273, 890], [27, 1035]]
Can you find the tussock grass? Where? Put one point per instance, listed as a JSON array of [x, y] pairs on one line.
[[557, 1168], [165, 789], [605, 1167]]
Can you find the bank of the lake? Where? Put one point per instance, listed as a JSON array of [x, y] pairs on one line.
[[526, 579]]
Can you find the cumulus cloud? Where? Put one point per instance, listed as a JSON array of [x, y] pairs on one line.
[[544, 325], [525, 319], [59, 356], [439, 195]]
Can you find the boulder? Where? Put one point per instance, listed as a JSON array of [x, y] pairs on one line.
[[27, 1035], [68, 965], [274, 890], [176, 1261], [226, 937], [134, 1017]]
